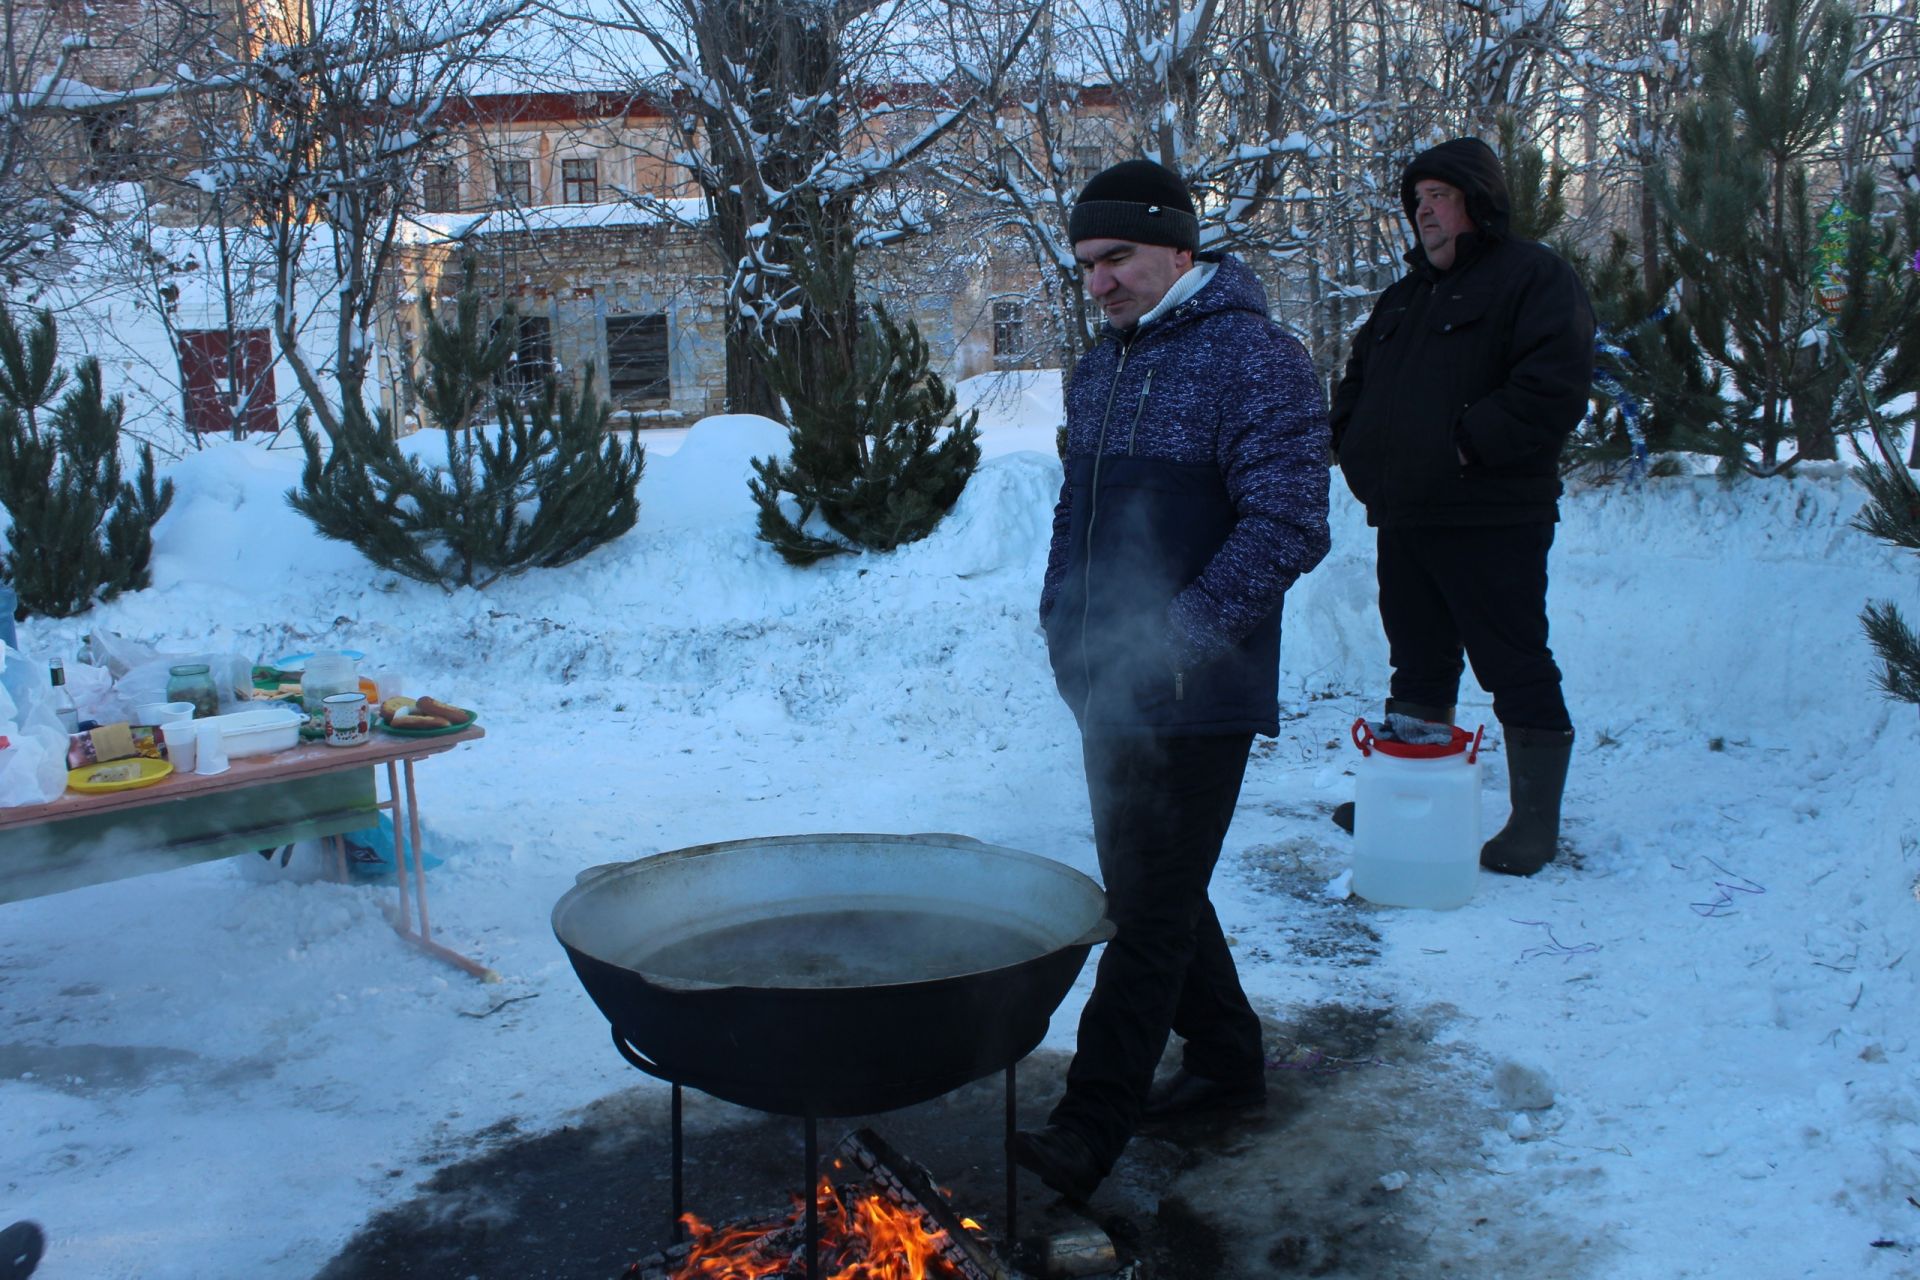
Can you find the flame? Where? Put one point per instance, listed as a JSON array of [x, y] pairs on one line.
[[863, 1236]]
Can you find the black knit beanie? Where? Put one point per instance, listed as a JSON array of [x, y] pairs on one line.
[[1135, 200]]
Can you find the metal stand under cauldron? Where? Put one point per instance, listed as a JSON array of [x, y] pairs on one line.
[[677, 1233]]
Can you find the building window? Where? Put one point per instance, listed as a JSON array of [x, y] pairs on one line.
[[109, 136], [580, 181], [637, 358], [1009, 329], [440, 188], [531, 365], [513, 182], [1085, 161]]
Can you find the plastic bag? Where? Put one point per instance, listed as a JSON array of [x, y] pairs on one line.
[[94, 694], [141, 671], [33, 765], [369, 855]]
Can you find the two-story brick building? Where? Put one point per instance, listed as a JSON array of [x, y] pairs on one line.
[[575, 212]]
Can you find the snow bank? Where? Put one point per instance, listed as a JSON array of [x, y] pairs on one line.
[[182, 1049]]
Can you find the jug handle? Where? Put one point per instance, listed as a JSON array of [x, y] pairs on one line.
[[1363, 736], [1473, 752]]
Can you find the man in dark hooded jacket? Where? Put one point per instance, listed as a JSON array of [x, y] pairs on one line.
[[1458, 395], [1195, 494]]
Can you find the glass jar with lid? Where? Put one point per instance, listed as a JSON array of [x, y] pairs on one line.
[[191, 682], [327, 674]]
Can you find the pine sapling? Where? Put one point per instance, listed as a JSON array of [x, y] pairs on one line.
[[538, 487], [80, 533], [879, 454]]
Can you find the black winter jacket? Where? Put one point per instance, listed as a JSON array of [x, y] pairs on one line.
[[1492, 359], [1195, 493]]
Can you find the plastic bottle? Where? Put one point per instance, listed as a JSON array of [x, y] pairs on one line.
[[63, 704]]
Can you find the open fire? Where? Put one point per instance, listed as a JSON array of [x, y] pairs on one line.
[[864, 1235], [880, 1218]]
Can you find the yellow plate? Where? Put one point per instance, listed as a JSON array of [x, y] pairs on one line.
[[118, 775]]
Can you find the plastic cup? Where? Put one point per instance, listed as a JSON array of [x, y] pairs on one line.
[[181, 738], [164, 712], [211, 748]]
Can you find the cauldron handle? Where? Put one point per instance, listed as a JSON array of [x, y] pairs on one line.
[[1102, 931], [639, 1059]]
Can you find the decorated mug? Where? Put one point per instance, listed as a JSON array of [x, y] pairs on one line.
[[345, 722]]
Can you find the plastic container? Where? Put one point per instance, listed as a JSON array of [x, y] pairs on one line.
[[1416, 820], [327, 674], [258, 732]]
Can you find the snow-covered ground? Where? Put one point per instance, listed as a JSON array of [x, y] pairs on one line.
[[210, 1073]]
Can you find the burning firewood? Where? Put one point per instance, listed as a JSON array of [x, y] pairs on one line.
[[881, 1218]]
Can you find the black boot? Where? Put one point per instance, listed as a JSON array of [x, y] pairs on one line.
[[1343, 812], [1536, 776], [20, 1248]]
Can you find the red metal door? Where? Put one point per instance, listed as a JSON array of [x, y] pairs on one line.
[[205, 385]]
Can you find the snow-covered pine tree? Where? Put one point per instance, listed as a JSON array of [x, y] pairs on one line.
[[1656, 390], [1892, 514], [1742, 227], [878, 453], [1877, 335], [80, 532], [541, 487]]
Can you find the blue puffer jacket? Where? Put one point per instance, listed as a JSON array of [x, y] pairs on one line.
[[1195, 493]]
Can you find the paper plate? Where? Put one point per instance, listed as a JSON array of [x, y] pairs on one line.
[[117, 775]]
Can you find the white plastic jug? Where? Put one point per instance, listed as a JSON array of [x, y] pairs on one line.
[[1416, 820]]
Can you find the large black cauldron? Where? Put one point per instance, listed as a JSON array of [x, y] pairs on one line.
[[830, 975]]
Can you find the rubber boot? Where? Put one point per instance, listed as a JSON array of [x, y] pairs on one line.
[[1536, 776], [1343, 812], [21, 1246]]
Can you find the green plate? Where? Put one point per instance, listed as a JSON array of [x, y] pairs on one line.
[[425, 733]]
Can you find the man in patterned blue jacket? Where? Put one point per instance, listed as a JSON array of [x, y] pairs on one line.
[[1195, 493]]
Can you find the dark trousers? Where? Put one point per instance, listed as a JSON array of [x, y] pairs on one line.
[[1478, 588], [1161, 808]]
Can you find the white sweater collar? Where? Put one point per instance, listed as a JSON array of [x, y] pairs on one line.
[[1185, 287]]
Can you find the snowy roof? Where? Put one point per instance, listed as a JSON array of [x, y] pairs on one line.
[[436, 228]]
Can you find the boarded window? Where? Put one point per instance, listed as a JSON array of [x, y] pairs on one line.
[[580, 181], [1009, 329], [637, 358], [527, 371], [110, 139], [1085, 161], [440, 188], [227, 380], [513, 182]]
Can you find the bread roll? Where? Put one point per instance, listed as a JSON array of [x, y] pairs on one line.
[[451, 714], [418, 722]]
